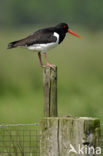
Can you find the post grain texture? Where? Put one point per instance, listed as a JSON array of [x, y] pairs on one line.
[[50, 91], [66, 136]]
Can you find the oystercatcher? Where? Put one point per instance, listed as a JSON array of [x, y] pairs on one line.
[[44, 40]]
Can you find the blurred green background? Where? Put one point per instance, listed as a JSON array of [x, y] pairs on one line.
[[80, 62]]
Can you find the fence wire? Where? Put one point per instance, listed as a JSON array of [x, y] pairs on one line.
[[23, 139], [20, 140]]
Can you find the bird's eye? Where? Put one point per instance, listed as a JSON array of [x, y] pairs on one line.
[[65, 26]]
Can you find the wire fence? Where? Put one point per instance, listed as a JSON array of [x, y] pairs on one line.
[[20, 140], [23, 139]]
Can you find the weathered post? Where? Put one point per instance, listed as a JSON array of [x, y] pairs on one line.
[[50, 91], [70, 136]]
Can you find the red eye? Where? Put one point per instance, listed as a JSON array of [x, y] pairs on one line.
[[65, 26]]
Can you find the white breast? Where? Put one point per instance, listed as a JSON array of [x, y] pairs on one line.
[[45, 47]]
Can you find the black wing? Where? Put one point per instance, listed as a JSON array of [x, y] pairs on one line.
[[39, 37]]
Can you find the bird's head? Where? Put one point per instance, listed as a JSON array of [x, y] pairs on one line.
[[65, 28]]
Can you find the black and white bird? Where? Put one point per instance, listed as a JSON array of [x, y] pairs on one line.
[[43, 40]]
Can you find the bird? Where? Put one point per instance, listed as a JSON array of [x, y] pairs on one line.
[[43, 40]]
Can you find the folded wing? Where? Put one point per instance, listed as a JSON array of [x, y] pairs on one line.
[[39, 37]]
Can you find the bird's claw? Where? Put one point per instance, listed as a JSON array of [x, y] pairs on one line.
[[50, 65], [43, 66]]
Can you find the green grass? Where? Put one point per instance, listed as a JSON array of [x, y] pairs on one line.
[[80, 78]]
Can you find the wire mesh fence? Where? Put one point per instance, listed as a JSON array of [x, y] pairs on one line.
[[23, 140], [20, 140]]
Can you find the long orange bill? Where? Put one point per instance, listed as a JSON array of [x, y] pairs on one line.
[[71, 32]]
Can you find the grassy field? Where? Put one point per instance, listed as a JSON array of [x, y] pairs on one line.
[[80, 78]]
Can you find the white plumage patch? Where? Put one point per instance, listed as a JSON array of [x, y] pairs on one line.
[[45, 47]]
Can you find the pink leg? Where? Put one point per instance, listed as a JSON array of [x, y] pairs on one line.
[[39, 55], [47, 63]]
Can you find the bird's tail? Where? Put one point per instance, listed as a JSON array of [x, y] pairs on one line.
[[12, 44]]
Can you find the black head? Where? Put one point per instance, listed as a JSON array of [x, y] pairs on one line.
[[63, 27]]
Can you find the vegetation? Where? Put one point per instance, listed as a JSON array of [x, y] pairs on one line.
[[83, 13], [80, 78]]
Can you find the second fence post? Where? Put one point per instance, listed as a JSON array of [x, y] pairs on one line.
[[50, 91], [70, 136]]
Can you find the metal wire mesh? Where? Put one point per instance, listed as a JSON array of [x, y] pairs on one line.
[[23, 140], [19, 140]]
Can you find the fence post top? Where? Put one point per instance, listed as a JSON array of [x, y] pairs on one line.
[[70, 118]]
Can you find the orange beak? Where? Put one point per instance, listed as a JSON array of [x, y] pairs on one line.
[[71, 32]]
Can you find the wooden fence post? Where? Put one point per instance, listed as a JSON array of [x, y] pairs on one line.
[[70, 136], [50, 91]]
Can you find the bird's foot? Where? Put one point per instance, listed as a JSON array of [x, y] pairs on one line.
[[50, 65], [43, 65]]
